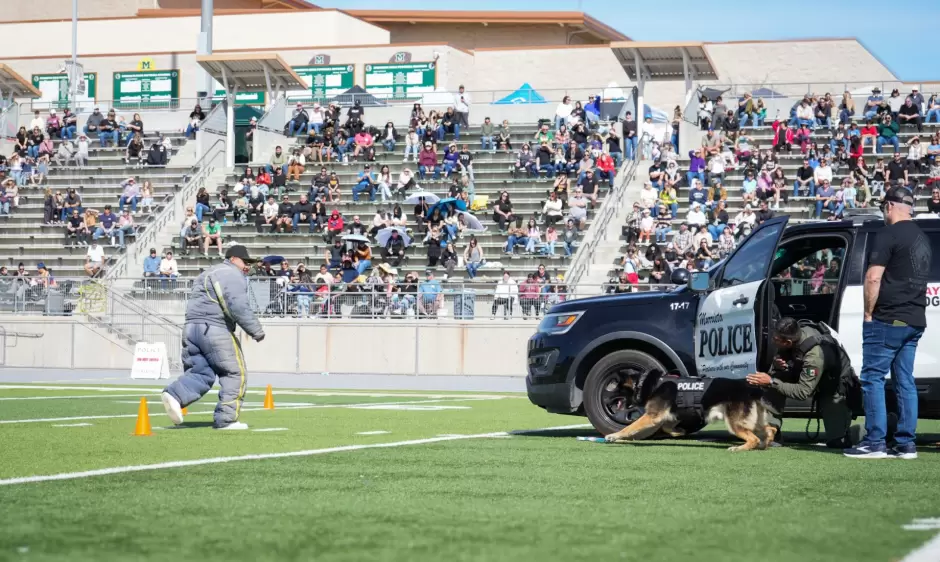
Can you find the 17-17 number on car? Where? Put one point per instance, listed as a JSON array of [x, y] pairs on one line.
[[678, 306]]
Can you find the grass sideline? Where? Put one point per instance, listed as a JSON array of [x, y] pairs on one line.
[[543, 496]]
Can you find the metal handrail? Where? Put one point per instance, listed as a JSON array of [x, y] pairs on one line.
[[598, 231], [197, 174]]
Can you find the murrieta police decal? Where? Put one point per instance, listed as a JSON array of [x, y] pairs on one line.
[[691, 385], [717, 339]]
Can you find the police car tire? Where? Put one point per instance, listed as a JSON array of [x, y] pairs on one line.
[[593, 389]]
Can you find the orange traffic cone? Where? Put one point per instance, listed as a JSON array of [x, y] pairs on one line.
[[268, 399], [185, 411], [143, 420]]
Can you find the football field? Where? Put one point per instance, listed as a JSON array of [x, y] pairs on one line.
[[358, 475]]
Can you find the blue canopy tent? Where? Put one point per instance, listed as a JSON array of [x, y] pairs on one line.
[[658, 115], [524, 95], [766, 93]]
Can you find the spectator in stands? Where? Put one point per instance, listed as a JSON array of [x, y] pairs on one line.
[[718, 219], [33, 141], [670, 198], [846, 108], [749, 189], [533, 237], [212, 235], [696, 217], [296, 164], [505, 294], [427, 162], [825, 198], [563, 112], [94, 122], [136, 127], [303, 213], [278, 161], [663, 226], [354, 117], [223, 205], [130, 193], [94, 260], [682, 241], [487, 132], [577, 208], [134, 153], [875, 104], [747, 108], [412, 144], [449, 124], [897, 171], [53, 124], [824, 111], [317, 117], [763, 213], [462, 107], [191, 236], [606, 169], [196, 117], [107, 226], [334, 227], [366, 181], [569, 236], [430, 295], [552, 209], [822, 172], [152, 264], [125, 227], [364, 145], [909, 114], [697, 195], [169, 269], [505, 136], [804, 115], [298, 120]]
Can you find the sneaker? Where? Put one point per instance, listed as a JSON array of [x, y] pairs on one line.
[[234, 426], [908, 451], [866, 451], [173, 409]]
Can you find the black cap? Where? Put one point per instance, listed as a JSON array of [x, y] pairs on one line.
[[241, 252], [899, 195]]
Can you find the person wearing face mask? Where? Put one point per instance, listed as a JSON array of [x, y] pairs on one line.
[[217, 305]]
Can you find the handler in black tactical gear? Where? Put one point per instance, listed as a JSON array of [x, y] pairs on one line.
[[810, 363]]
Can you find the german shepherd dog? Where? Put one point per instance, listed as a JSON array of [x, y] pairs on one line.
[[732, 400]]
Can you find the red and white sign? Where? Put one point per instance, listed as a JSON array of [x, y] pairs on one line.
[[150, 361]]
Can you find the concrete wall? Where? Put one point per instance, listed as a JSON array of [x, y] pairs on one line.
[[62, 9], [360, 347], [476, 35], [167, 35]]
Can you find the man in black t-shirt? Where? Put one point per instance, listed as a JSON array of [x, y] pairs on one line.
[[897, 170], [895, 317]]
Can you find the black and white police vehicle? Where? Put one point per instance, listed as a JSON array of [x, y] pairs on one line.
[[718, 323]]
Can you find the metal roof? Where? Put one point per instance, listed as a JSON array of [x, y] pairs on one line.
[[11, 81], [664, 60], [248, 72]]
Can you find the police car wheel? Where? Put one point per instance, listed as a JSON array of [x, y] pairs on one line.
[[608, 403]]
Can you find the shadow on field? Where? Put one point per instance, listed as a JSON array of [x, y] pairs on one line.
[[568, 433], [189, 425]]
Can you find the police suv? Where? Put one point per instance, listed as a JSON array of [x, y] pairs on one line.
[[718, 323]]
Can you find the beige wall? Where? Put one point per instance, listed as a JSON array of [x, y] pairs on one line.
[[362, 347], [162, 35], [62, 9], [476, 35]]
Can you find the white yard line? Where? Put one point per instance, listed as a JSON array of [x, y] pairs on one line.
[[73, 425], [98, 397], [157, 390], [264, 456], [307, 407], [928, 552], [267, 429], [373, 432]]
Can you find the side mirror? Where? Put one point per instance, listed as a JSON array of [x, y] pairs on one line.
[[699, 281]]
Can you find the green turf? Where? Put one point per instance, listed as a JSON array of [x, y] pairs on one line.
[[528, 497]]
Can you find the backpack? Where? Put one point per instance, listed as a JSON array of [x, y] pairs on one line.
[[846, 383]]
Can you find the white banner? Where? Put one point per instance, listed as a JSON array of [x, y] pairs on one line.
[[150, 361]]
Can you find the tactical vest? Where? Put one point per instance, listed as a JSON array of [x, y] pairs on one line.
[[689, 390], [838, 376]]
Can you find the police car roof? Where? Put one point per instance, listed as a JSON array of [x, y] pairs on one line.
[[863, 223]]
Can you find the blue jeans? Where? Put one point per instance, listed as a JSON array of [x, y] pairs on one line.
[[618, 158], [472, 269], [190, 130], [270, 169], [109, 136], [449, 168], [33, 151], [389, 144], [411, 149], [609, 176], [423, 170], [559, 121], [295, 127], [569, 249], [870, 114], [744, 117], [363, 186], [886, 347], [514, 241], [893, 141], [935, 113], [363, 265], [833, 144], [486, 143], [200, 210], [811, 185], [68, 132], [824, 121], [549, 170], [811, 123], [128, 200], [661, 234], [296, 221], [689, 176], [845, 116], [629, 145], [830, 206], [715, 230], [314, 127]]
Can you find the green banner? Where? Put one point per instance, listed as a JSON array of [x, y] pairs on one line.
[[55, 91], [400, 80], [241, 98], [325, 81], [147, 89]]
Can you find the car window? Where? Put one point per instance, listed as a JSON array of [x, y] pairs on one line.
[[752, 258], [809, 266]]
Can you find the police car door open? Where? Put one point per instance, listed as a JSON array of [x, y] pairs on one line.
[[726, 335]]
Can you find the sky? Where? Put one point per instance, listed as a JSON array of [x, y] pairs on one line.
[[902, 47]]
